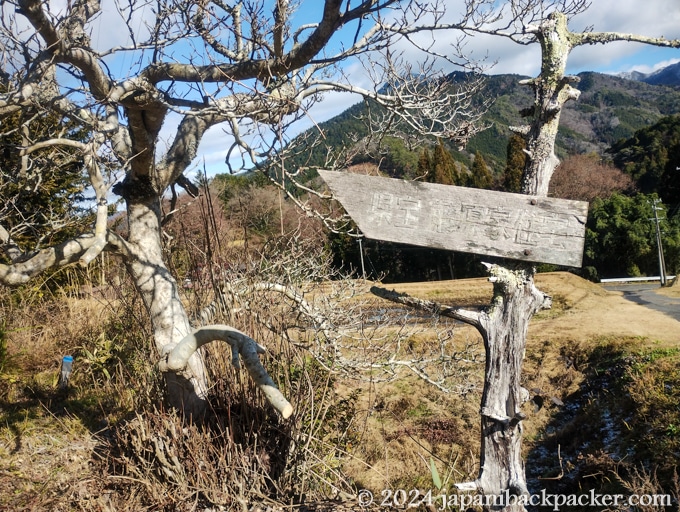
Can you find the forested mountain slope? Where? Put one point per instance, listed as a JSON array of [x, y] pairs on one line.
[[610, 108], [629, 122]]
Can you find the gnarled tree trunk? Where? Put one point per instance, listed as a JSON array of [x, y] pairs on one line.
[[160, 294], [503, 326], [516, 298]]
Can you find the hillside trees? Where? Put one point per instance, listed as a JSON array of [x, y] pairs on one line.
[[652, 158], [480, 176], [622, 236], [586, 177], [439, 166], [514, 164], [143, 104], [444, 169]]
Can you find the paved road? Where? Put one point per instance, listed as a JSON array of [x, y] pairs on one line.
[[646, 295]]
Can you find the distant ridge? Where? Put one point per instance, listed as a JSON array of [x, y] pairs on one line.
[[633, 75], [610, 108], [669, 76]]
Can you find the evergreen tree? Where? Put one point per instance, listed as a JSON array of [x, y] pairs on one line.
[[444, 168], [396, 160], [41, 198], [621, 240], [481, 176], [651, 157], [515, 162]]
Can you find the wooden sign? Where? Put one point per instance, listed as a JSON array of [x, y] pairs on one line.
[[516, 226]]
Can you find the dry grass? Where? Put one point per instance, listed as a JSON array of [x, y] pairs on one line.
[[48, 459], [673, 290], [43, 460], [406, 424], [403, 418]]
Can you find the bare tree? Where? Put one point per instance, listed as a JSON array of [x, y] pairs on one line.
[[243, 66], [585, 177], [504, 323]]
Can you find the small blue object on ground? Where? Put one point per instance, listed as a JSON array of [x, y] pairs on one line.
[[66, 367]]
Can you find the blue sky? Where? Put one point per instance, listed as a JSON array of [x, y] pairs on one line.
[[652, 18]]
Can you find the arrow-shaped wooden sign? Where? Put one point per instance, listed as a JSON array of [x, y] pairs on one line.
[[516, 226]]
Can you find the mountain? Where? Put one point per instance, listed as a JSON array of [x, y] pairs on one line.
[[609, 108], [651, 158], [633, 75], [670, 76]]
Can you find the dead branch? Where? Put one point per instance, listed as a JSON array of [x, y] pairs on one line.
[[30, 265], [176, 357], [470, 317]]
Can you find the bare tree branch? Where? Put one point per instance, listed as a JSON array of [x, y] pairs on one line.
[[175, 358], [31, 265], [194, 66], [464, 315]]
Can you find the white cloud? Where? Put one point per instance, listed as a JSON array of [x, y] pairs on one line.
[[657, 18], [110, 28], [652, 18], [646, 68]]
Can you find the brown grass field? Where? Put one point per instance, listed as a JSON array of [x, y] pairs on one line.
[[48, 461], [415, 421]]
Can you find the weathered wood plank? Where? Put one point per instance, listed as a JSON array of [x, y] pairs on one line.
[[516, 226]]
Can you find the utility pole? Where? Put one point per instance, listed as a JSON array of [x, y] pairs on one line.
[[361, 252], [662, 261]]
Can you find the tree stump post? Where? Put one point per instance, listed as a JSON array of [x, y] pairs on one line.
[[503, 326]]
